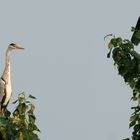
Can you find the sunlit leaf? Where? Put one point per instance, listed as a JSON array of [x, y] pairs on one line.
[[134, 118], [132, 124]]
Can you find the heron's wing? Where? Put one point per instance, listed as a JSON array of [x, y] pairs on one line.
[[2, 90]]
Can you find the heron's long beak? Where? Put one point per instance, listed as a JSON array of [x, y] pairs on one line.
[[19, 48]]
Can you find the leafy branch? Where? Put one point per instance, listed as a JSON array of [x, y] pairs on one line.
[[20, 124], [127, 61]]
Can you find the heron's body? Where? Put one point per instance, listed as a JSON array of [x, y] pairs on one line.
[[5, 80]]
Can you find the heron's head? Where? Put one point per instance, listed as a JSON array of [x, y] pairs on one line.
[[14, 46]]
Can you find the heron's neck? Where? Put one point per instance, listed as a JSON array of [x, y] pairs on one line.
[[6, 73]]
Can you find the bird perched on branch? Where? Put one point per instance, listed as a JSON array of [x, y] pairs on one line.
[[5, 80]]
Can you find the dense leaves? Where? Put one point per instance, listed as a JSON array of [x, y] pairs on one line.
[[127, 61], [20, 124]]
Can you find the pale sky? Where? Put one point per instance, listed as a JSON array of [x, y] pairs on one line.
[[79, 94]]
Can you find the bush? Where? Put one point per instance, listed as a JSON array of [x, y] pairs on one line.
[[127, 61], [20, 124]]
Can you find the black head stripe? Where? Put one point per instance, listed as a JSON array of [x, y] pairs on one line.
[[12, 44]]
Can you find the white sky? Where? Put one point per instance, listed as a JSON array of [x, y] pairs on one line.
[[79, 94]]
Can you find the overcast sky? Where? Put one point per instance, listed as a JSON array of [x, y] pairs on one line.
[[79, 94]]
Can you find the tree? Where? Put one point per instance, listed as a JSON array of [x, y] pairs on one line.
[[127, 61], [20, 124]]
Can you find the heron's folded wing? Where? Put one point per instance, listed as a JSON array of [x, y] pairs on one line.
[[2, 89]]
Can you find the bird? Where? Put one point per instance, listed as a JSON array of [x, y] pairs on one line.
[[5, 80]]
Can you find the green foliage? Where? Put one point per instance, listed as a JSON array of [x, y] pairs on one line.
[[20, 124], [127, 61]]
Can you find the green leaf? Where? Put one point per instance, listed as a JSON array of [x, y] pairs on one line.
[[31, 96], [7, 113], [137, 128], [119, 41], [32, 119], [15, 102], [108, 55], [116, 54], [21, 100], [22, 117], [134, 118], [132, 124], [114, 42], [32, 107], [137, 34], [133, 29]]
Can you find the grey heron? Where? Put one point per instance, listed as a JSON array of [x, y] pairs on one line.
[[5, 80]]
